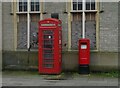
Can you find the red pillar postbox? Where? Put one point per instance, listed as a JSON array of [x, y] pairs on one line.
[[84, 56], [50, 46]]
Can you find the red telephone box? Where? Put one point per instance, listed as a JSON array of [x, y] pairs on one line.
[[50, 47], [84, 55]]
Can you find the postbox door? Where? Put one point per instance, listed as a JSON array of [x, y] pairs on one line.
[[84, 53]]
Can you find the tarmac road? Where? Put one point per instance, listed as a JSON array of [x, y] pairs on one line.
[[10, 79]]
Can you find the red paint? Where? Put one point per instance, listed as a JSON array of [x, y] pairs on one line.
[[84, 51], [52, 26]]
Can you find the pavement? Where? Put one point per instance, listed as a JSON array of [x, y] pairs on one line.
[[34, 79]]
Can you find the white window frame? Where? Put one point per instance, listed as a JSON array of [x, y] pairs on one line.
[[77, 6], [34, 6], [18, 7], [83, 11], [28, 12], [85, 7], [28, 3], [90, 5]]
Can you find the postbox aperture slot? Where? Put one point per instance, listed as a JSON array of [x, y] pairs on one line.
[[83, 46]]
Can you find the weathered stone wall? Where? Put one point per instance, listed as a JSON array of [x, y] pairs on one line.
[[8, 30], [0, 35], [24, 60], [0, 25], [109, 27]]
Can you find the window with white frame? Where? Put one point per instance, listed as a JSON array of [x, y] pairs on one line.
[[22, 6], [89, 5], [77, 4], [27, 25], [34, 5], [89, 19]]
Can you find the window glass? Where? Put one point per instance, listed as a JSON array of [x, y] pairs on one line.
[[25, 6], [74, 4], [22, 5], [92, 4], [88, 5], [32, 6], [79, 4], [35, 5]]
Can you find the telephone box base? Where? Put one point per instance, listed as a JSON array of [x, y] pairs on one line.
[[84, 69], [44, 73]]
